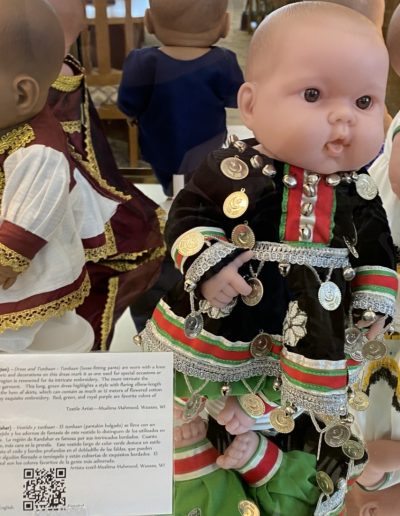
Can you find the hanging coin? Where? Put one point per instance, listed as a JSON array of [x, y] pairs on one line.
[[261, 345], [193, 325], [235, 204], [337, 435], [234, 168], [190, 243], [366, 187], [243, 236], [329, 295], [247, 508], [359, 401], [374, 350], [252, 404], [351, 247], [281, 421], [353, 449], [325, 483], [193, 407], [256, 294], [352, 335]]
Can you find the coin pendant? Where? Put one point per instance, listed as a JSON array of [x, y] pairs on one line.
[[193, 325], [337, 435], [234, 168], [243, 236], [252, 405], [360, 401], [366, 187], [190, 243], [193, 407], [374, 350], [329, 295], [350, 246], [353, 449], [235, 204], [261, 345], [352, 335], [247, 508], [325, 483], [281, 421], [256, 294]]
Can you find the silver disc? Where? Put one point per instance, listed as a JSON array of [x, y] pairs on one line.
[[366, 187], [261, 345], [337, 435], [193, 325], [234, 168], [352, 335], [374, 350], [193, 407], [353, 449], [329, 295]]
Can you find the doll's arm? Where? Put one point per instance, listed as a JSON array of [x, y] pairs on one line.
[[384, 457], [394, 163], [33, 203]]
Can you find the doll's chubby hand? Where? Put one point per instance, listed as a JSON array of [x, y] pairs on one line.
[[233, 418], [227, 284], [394, 166], [7, 276]]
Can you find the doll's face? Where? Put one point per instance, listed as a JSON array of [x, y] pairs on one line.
[[319, 103]]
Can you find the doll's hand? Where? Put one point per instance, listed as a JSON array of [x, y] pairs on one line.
[[375, 328], [7, 276], [233, 418], [239, 452], [222, 288], [394, 166]]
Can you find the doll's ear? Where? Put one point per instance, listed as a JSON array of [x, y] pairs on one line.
[[148, 21], [246, 98], [225, 25], [26, 94], [369, 509]]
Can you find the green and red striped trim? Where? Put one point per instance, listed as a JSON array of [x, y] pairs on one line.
[[380, 280], [263, 465], [195, 461]]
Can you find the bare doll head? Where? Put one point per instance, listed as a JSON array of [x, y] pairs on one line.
[[72, 17], [372, 9], [188, 23], [316, 80], [32, 46], [393, 40]]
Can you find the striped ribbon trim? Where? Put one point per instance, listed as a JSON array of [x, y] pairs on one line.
[[208, 232], [195, 461], [321, 221], [217, 349], [263, 465], [268, 405], [376, 280], [323, 376]]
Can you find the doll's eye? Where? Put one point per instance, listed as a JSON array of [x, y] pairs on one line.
[[364, 102], [311, 95]]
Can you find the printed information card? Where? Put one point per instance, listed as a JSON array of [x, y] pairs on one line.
[[86, 434]]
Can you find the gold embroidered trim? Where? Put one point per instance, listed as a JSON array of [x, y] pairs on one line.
[[388, 363], [56, 308], [162, 218], [125, 266], [107, 317], [10, 258], [2, 182], [67, 83], [105, 250], [72, 126], [16, 138]]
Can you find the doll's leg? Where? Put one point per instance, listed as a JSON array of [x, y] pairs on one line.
[[190, 433]]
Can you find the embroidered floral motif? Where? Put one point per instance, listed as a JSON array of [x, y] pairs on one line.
[[294, 325], [17, 138]]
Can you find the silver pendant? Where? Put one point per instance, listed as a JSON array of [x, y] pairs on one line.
[[350, 247], [261, 345], [366, 187], [337, 435], [193, 325], [353, 449], [234, 168], [352, 335], [374, 350], [329, 295], [256, 294], [193, 407]]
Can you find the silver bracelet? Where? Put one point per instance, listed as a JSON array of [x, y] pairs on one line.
[[208, 258]]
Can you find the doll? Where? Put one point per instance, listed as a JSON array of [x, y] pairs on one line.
[[177, 93], [42, 261], [285, 247], [127, 263]]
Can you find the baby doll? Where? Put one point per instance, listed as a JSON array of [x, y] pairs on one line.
[[42, 258], [177, 93], [125, 264], [284, 243]]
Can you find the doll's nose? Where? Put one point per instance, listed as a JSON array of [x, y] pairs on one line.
[[341, 113]]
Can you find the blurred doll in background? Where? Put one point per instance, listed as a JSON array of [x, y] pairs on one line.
[[125, 261], [287, 257]]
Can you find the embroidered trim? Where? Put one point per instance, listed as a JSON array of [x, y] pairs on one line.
[[332, 504], [126, 265], [67, 83], [107, 317], [16, 139], [207, 259], [10, 258], [294, 325], [105, 250], [71, 126], [377, 302], [56, 308]]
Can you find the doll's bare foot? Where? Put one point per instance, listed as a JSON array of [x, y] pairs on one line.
[[240, 451], [190, 433], [233, 418]]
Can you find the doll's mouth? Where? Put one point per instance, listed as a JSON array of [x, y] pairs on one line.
[[336, 147]]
